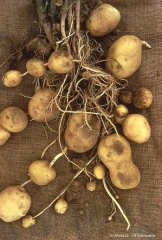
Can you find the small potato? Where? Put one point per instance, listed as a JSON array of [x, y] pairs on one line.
[[12, 78], [42, 107], [61, 206], [99, 171], [120, 112], [13, 119], [136, 128], [4, 136], [103, 20], [115, 153], [82, 132], [28, 221], [124, 56], [35, 67], [126, 97], [91, 186], [14, 203], [61, 62], [143, 98], [41, 173]]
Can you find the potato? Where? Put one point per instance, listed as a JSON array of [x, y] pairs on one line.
[[13, 119], [41, 173], [91, 186], [61, 62], [136, 128], [42, 107], [115, 153], [4, 136], [12, 78], [103, 20], [28, 221], [99, 171], [143, 98], [120, 112], [61, 206], [14, 203], [80, 136], [126, 96], [35, 67], [124, 56]]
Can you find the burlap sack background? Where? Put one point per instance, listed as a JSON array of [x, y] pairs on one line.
[[143, 204]]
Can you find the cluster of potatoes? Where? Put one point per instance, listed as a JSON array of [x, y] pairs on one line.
[[83, 130]]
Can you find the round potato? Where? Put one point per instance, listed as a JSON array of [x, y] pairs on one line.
[[12, 78], [35, 67], [14, 203], [42, 107], [4, 136], [126, 96], [136, 128], [143, 98], [61, 62], [115, 152], [13, 119], [41, 173], [120, 112], [82, 132], [103, 20], [124, 56]]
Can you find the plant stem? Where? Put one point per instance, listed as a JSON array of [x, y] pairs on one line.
[[115, 201]]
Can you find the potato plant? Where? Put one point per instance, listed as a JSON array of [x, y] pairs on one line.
[[74, 88]]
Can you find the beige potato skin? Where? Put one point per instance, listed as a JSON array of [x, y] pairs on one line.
[[12, 78], [14, 203], [78, 136], [41, 173], [115, 153], [124, 56], [4, 136], [143, 98], [103, 20], [61, 62], [40, 108], [13, 119], [136, 128], [35, 67]]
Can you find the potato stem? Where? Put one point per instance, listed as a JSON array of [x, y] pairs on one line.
[[115, 201], [28, 181], [58, 156]]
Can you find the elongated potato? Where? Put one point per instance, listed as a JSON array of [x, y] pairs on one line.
[[14, 203], [42, 107], [103, 20], [80, 136], [124, 56], [115, 152]]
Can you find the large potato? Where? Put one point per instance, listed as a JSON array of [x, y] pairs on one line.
[[42, 107], [80, 136], [124, 56], [115, 152], [13, 119], [103, 20], [136, 128], [14, 203]]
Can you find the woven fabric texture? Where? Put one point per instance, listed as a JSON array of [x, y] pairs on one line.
[[86, 218]]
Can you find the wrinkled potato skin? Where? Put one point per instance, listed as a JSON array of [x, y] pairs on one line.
[[13, 119], [39, 107], [115, 152], [14, 203], [136, 128], [4, 136], [41, 173], [78, 137], [143, 98], [61, 62], [103, 20], [124, 56]]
